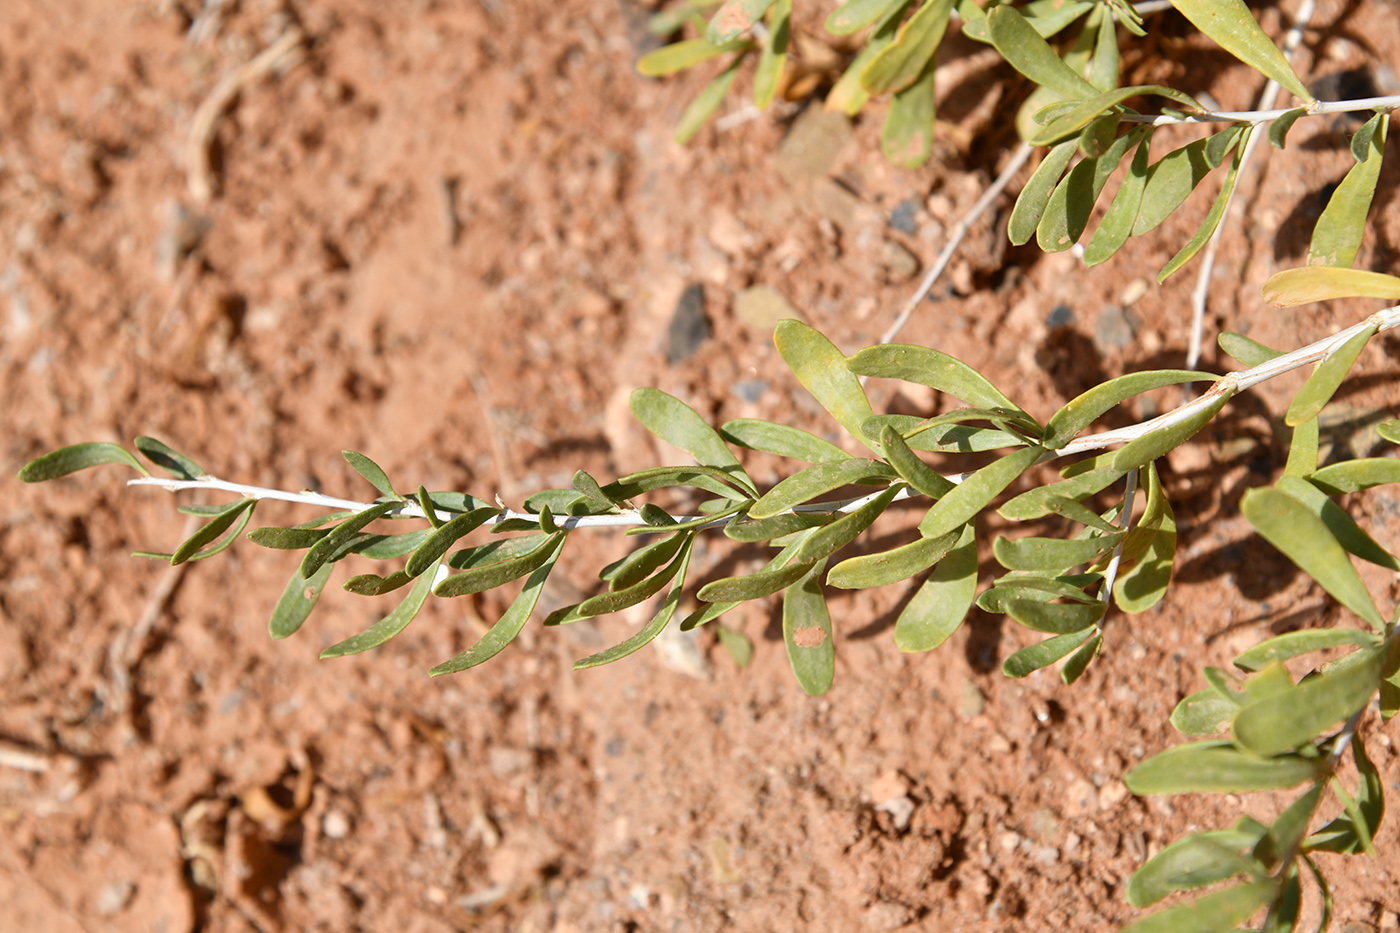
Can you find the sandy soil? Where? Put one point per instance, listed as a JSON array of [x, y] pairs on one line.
[[455, 235]]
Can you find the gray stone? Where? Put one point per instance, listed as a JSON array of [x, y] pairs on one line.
[[900, 264], [1059, 316], [689, 326], [810, 148], [904, 216], [1116, 328], [751, 390]]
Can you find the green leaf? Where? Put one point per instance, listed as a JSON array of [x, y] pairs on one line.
[[1072, 201], [734, 18], [709, 479], [678, 424], [287, 539], [706, 102], [1390, 430], [678, 56], [1169, 180], [297, 600], [206, 535], [1217, 767], [1042, 654], [382, 547], [1290, 526], [773, 57], [1323, 283], [1052, 554], [1213, 218], [942, 602], [621, 598], [1087, 111], [668, 21], [905, 60], [1103, 68], [831, 537], [1288, 830], [442, 539], [67, 460], [510, 624], [947, 437], [713, 610], [647, 633], [807, 633], [372, 584], [1085, 409], [1351, 536], [854, 15], [1035, 196], [1143, 585], [781, 440], [642, 562], [1079, 662], [1156, 443], [1337, 237], [1056, 618], [1356, 475], [1044, 500], [907, 136], [1297, 643], [489, 576], [371, 472], [777, 526], [425, 502], [738, 645], [1278, 129], [1117, 224], [1251, 353], [393, 623], [1078, 512], [1049, 17], [848, 95], [340, 535], [1029, 586], [1326, 379], [1025, 50], [919, 475], [1356, 827], [169, 459], [1203, 713], [819, 479], [974, 493], [1283, 722], [493, 551], [892, 566], [1233, 27], [1302, 455], [1213, 913], [821, 368], [1195, 862], [753, 586]]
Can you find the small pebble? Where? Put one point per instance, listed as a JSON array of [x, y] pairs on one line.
[[751, 390], [114, 897], [689, 326], [903, 217], [1116, 328], [1059, 316], [335, 825]]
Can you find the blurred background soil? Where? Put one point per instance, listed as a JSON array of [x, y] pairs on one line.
[[455, 236]]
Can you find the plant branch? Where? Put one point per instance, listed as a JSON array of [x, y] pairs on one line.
[[1315, 108]]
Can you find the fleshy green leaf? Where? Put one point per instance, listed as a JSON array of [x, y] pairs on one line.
[[206, 535], [1356, 475], [1156, 443], [1072, 201], [642, 562], [1280, 723], [1035, 196], [1117, 224], [819, 479], [1195, 862], [1251, 353], [1169, 181], [892, 566], [1079, 662], [1025, 50], [1288, 830], [1323, 283], [1326, 379], [1347, 833], [922, 477], [1213, 913], [713, 610], [442, 539], [1217, 767], [943, 600], [709, 479], [1085, 409], [1390, 430], [773, 57], [393, 623], [1043, 500], [1302, 456], [739, 645], [340, 535], [287, 539], [1351, 536], [854, 15], [1233, 27], [639, 592], [647, 633], [1044, 653], [777, 526], [372, 584], [973, 494], [1213, 218], [370, 471], [297, 600], [1056, 618], [1052, 554], [1203, 713], [706, 102], [67, 460], [510, 624], [807, 633], [753, 586], [1294, 644], [821, 367], [907, 136], [781, 440], [848, 95], [677, 423], [478, 579], [169, 459], [1142, 586], [1278, 129], [734, 18], [905, 60], [1290, 526], [678, 56], [1086, 111], [948, 436], [835, 535]]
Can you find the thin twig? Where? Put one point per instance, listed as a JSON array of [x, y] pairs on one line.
[[1018, 159], [1230, 384], [1266, 101], [282, 54], [1111, 574]]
